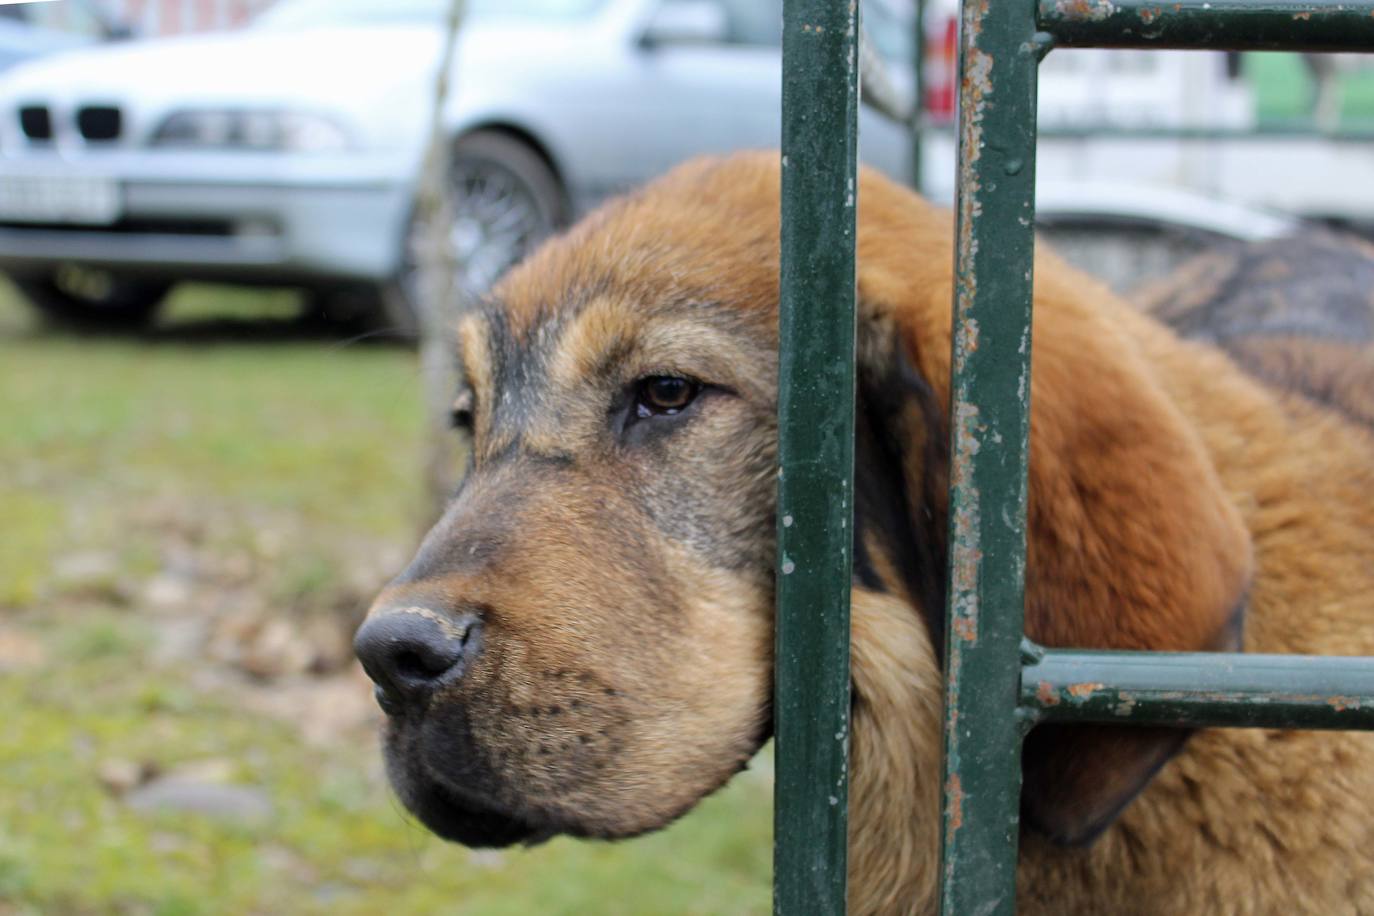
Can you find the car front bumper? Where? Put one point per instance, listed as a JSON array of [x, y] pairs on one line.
[[252, 217]]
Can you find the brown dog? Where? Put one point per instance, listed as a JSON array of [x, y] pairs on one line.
[[583, 643]]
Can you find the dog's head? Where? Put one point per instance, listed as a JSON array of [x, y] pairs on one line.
[[583, 643]]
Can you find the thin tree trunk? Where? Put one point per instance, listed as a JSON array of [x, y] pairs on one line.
[[439, 293]]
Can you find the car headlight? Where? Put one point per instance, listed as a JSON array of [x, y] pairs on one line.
[[252, 130]]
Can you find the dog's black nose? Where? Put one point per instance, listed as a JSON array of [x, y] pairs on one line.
[[408, 652]]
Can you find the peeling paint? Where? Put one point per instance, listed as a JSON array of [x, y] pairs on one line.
[[1198, 24], [1090, 10], [966, 629], [983, 733], [1046, 695], [1085, 690], [954, 803]]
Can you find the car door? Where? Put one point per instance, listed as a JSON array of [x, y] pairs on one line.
[[701, 89], [694, 77]]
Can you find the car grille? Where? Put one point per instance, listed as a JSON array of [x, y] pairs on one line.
[[166, 226], [36, 122], [99, 123], [94, 123]]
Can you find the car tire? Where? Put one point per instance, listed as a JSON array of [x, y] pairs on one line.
[[507, 200], [81, 299]]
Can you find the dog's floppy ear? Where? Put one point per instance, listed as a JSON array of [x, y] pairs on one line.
[[1132, 540], [900, 478]]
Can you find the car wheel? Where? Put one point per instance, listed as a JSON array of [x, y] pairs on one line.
[[86, 298], [506, 200]]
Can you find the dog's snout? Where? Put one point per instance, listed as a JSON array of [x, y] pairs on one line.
[[408, 652]]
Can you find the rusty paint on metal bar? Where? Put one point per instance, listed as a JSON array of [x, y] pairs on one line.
[[1198, 689], [1286, 131], [1237, 25], [988, 703], [989, 411]]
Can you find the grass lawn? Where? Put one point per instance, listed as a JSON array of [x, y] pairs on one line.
[[1283, 89], [190, 524]]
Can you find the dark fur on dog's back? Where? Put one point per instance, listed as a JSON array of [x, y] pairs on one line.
[[622, 570], [1296, 313]]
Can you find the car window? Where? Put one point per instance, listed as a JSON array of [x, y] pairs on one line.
[[747, 22], [754, 22], [78, 18], [759, 22], [298, 14], [890, 26]]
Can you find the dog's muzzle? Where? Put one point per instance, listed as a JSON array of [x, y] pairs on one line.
[[412, 653]]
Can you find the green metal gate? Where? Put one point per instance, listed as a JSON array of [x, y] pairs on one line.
[[998, 684]]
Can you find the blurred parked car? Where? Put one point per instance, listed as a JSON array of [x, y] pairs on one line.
[[289, 152]]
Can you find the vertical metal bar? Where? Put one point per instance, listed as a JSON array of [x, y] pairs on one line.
[[990, 413], [918, 100], [816, 453]]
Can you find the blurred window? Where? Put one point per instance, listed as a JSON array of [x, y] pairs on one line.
[[298, 14], [74, 16], [891, 27], [754, 22], [759, 22]]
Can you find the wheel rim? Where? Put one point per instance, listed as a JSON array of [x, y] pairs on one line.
[[497, 221]]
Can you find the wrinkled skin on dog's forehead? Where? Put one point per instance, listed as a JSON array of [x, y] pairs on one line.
[[619, 560]]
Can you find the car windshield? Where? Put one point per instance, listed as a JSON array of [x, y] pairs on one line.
[[301, 14], [79, 18]]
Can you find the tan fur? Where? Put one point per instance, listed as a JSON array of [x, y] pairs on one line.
[[894, 800], [1166, 485]]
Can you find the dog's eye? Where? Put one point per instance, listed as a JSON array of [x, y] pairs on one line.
[[658, 395], [460, 414]]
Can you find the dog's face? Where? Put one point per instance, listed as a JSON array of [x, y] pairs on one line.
[[603, 574], [583, 643]]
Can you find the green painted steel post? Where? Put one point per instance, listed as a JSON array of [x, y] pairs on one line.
[[820, 102], [990, 414], [988, 702]]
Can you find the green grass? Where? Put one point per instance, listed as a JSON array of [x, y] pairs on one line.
[[1283, 89], [286, 469], [335, 840]]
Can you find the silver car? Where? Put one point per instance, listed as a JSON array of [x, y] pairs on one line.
[[288, 152]]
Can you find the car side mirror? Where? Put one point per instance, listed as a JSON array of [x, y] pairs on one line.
[[685, 22]]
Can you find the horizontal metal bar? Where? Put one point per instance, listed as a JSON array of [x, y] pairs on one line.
[[1260, 133], [1270, 132], [1237, 25], [1237, 690]]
